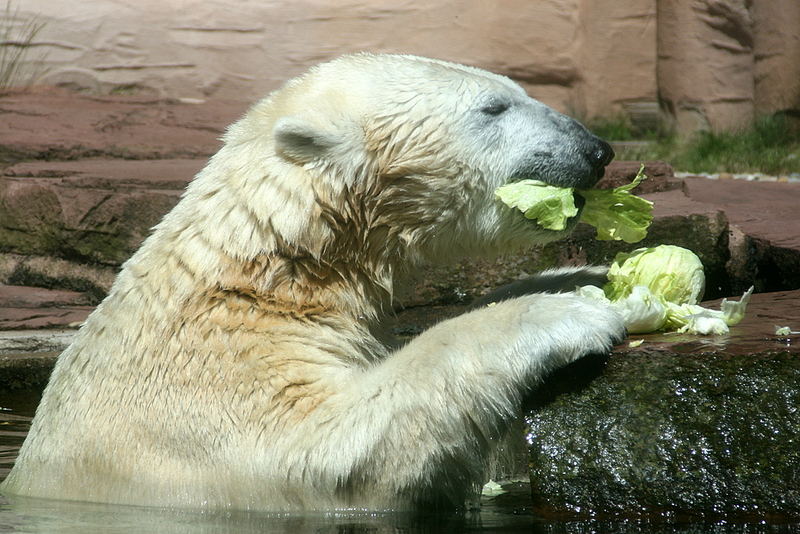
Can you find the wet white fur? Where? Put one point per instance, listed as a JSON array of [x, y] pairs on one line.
[[239, 359]]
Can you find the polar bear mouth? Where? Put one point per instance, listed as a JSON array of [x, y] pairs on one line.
[[580, 202]]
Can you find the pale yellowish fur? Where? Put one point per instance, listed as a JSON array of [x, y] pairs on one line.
[[240, 359]]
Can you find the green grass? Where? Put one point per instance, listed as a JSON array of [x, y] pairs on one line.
[[771, 145], [616, 128]]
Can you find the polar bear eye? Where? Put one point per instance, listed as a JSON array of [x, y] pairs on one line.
[[495, 108]]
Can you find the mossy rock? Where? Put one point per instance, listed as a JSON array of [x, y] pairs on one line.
[[651, 432], [36, 221], [29, 372]]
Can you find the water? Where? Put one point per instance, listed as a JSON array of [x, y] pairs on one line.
[[16, 414], [508, 513]]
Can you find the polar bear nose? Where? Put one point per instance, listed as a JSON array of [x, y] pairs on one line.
[[600, 155]]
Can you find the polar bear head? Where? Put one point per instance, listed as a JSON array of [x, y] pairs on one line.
[[403, 154]]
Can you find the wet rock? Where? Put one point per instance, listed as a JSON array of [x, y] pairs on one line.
[[682, 425], [764, 233], [26, 372], [93, 210], [33, 307], [27, 357], [34, 341]]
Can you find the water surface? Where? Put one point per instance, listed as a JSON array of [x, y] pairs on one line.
[[508, 513]]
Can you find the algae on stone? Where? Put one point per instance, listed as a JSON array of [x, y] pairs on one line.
[[697, 434]]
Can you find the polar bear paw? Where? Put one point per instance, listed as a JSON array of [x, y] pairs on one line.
[[562, 328]]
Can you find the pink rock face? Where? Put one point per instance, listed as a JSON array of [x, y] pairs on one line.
[[660, 176], [33, 307], [777, 52], [765, 210], [715, 63], [56, 124], [720, 63], [568, 53]]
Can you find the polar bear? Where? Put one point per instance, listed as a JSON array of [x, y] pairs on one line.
[[241, 358]]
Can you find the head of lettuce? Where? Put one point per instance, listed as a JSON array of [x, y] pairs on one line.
[[659, 289], [617, 214]]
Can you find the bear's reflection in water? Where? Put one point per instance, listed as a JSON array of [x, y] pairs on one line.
[[504, 514], [25, 514]]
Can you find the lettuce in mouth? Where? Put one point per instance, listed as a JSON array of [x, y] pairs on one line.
[[616, 213]]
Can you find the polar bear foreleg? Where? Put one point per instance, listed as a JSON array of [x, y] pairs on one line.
[[550, 281], [420, 423]]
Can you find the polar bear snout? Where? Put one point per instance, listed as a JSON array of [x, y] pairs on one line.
[[599, 155], [595, 152], [558, 149]]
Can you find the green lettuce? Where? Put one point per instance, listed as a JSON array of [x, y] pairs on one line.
[[672, 273], [617, 214], [657, 289], [547, 205]]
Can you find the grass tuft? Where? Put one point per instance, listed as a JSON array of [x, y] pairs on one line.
[[770, 145], [17, 37]]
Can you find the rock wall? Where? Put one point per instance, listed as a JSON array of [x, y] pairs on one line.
[[565, 52], [715, 63], [722, 62], [776, 43]]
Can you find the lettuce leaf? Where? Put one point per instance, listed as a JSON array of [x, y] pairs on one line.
[[615, 213], [548, 205], [694, 319]]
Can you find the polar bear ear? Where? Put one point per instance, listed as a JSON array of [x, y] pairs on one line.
[[301, 142]]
